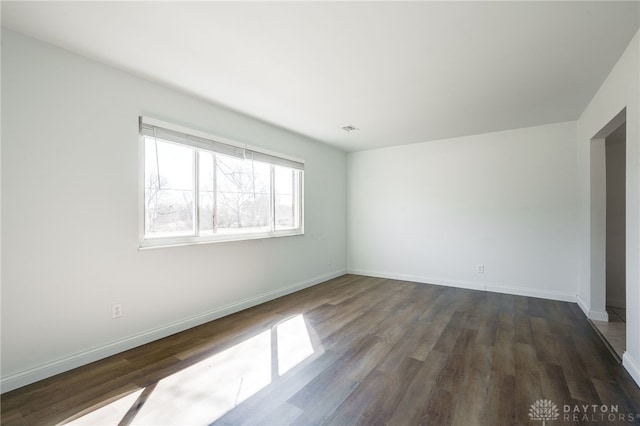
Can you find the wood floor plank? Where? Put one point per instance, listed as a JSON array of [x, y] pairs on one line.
[[363, 397], [325, 403], [388, 397], [404, 348], [428, 339], [325, 381], [500, 403], [471, 402], [503, 359], [410, 408], [447, 339], [373, 360], [439, 408], [611, 395], [582, 390], [554, 386], [527, 391], [285, 414], [365, 350]]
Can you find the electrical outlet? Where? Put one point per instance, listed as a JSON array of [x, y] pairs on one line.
[[480, 269], [116, 311]]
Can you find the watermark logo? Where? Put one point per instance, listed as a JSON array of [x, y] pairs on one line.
[[544, 410]]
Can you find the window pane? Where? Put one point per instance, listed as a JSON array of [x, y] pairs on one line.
[[286, 197], [243, 195], [206, 185], [168, 189]]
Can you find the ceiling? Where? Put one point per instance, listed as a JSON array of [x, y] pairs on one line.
[[402, 72]]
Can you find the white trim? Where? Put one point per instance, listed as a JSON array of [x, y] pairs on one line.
[[592, 315], [50, 369], [516, 291], [598, 316], [582, 305], [630, 365], [528, 292], [419, 279]]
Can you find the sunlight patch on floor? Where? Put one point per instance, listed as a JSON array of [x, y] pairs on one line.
[[294, 343], [110, 414], [205, 391]]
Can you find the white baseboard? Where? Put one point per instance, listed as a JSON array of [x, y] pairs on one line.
[[582, 305], [418, 279], [50, 369], [632, 367], [494, 288], [590, 313], [599, 316], [528, 292]]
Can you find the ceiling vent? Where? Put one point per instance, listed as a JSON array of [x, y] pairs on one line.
[[349, 128]]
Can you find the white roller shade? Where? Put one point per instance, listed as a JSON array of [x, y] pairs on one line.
[[172, 133]]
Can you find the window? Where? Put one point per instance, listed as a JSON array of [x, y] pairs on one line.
[[200, 188]]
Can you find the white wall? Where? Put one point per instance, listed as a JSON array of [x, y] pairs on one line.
[[432, 212], [620, 90], [70, 217], [615, 228]]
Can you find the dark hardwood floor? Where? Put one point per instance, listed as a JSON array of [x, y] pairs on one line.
[[354, 350]]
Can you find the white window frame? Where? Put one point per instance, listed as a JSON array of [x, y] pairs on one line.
[[216, 144]]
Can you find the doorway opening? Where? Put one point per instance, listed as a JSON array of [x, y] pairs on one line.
[[608, 233]]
